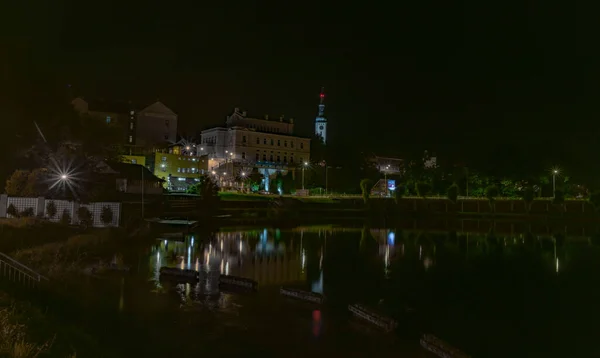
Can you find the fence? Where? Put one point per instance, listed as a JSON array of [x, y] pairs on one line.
[[16, 272], [39, 207]]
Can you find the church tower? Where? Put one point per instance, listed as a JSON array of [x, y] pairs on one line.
[[321, 121]]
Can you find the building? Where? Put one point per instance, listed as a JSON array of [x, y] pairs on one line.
[[154, 125], [321, 121], [179, 166], [245, 143], [128, 179]]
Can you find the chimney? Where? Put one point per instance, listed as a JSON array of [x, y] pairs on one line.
[[244, 114]]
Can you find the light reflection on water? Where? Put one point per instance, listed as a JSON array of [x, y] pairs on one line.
[[389, 269]]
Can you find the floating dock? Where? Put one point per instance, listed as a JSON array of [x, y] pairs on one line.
[[360, 311], [441, 348], [240, 282], [175, 272], [302, 295]]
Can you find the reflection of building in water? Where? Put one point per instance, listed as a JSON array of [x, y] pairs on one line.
[[270, 262]]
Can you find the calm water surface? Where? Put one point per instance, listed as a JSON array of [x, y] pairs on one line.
[[490, 295]]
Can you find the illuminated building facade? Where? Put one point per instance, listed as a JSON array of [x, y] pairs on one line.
[[245, 143]]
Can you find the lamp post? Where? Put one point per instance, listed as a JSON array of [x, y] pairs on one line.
[[305, 164], [554, 173]]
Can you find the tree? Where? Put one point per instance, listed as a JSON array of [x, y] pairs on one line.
[[106, 216], [365, 187], [12, 211], [15, 185], [255, 179], [452, 193], [289, 184], [491, 192], [422, 188], [85, 216], [51, 209], [528, 196], [37, 183], [209, 190], [65, 218]]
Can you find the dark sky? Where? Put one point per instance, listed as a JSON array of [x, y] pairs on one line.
[[461, 78]]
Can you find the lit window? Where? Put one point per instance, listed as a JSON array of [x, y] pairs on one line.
[[108, 119], [130, 139], [133, 161], [178, 170]]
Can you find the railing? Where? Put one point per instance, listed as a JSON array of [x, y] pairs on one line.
[[16, 272]]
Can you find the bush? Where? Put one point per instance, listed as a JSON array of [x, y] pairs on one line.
[[365, 187], [51, 209], [422, 189], [27, 213], [452, 193], [559, 197], [491, 192], [528, 196], [85, 216], [65, 218], [12, 211], [107, 215]]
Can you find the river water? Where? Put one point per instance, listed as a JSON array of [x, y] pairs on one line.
[[489, 294]]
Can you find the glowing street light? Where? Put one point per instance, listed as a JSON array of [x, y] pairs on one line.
[[303, 167], [555, 172], [64, 177], [243, 174], [213, 172]]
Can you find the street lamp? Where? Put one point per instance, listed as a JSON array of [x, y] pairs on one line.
[[64, 177], [555, 172], [303, 167]]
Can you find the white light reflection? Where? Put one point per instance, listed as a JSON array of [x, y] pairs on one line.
[[420, 251], [197, 264], [192, 241], [240, 246], [221, 245], [557, 265], [303, 260], [227, 268], [189, 256], [222, 267], [387, 256]]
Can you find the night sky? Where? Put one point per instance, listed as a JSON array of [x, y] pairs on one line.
[[471, 81]]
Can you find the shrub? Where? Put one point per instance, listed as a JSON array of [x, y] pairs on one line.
[[27, 213], [85, 216], [422, 189], [528, 196], [452, 193], [107, 215], [12, 211], [559, 197], [65, 218], [491, 192], [365, 187], [51, 209]]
